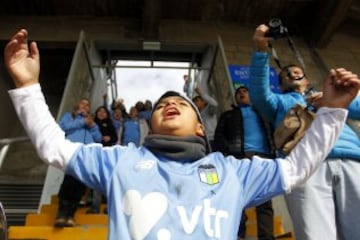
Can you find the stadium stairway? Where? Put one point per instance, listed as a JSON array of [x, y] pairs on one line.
[[19, 199], [40, 225], [95, 226]]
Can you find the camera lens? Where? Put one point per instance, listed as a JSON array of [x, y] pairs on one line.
[[276, 29], [275, 23]]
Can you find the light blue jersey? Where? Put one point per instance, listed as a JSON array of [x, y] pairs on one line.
[[152, 198]]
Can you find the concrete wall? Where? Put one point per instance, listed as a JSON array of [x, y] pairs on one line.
[[343, 50]]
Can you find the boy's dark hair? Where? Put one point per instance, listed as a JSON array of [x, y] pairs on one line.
[[176, 94], [241, 87], [196, 98]]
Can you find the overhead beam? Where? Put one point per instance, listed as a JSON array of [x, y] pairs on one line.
[[151, 19], [330, 17], [354, 11]]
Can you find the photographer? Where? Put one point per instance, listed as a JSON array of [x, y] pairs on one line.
[[327, 205]]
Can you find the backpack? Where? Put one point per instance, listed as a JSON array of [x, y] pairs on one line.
[[296, 121]]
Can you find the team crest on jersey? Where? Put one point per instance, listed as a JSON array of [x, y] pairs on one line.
[[208, 174]]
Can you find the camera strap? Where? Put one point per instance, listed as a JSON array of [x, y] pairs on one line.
[[293, 48]]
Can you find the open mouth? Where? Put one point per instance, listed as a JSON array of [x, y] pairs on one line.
[[171, 112]]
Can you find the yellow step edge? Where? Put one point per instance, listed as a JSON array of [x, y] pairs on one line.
[[50, 233], [80, 219], [53, 208], [251, 227], [251, 213], [96, 227], [54, 199]]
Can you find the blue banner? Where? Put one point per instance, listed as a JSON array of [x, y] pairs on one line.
[[240, 76]]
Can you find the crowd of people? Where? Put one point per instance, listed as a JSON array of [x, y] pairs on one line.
[[184, 171], [109, 125]]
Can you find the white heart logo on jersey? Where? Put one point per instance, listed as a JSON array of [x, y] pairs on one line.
[[144, 212]]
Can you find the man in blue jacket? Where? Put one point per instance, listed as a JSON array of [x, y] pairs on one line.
[[78, 126], [327, 205], [243, 133], [172, 187]]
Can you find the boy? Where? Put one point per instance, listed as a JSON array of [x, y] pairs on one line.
[[207, 106], [171, 188]]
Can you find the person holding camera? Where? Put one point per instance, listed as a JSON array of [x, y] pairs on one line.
[[327, 205]]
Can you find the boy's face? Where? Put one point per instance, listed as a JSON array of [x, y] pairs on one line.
[[199, 103], [242, 96], [133, 112], [101, 114], [83, 106], [174, 116], [294, 79], [117, 114]]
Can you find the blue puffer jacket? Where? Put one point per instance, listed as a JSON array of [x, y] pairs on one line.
[[76, 130], [274, 107]]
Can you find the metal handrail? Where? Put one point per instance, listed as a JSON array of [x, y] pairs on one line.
[[6, 142]]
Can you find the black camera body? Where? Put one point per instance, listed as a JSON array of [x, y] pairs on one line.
[[276, 29]]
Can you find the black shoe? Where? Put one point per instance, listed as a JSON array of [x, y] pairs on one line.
[[70, 222], [93, 210], [60, 222]]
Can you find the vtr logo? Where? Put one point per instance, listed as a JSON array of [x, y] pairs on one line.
[[145, 212], [210, 216]]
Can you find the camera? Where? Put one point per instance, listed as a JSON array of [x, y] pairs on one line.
[[276, 29]]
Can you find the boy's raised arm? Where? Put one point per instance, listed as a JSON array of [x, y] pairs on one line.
[[23, 64]]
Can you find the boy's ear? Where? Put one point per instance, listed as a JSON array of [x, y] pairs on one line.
[[200, 130]]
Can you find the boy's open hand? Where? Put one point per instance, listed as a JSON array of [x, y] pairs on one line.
[[21, 60]]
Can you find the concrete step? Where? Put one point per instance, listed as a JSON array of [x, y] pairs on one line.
[[80, 219], [53, 208], [51, 233]]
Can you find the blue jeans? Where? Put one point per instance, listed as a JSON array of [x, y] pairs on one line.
[[327, 206]]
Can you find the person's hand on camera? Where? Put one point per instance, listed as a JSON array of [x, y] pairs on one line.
[[89, 120], [21, 60], [106, 139], [339, 89], [313, 97], [260, 40]]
